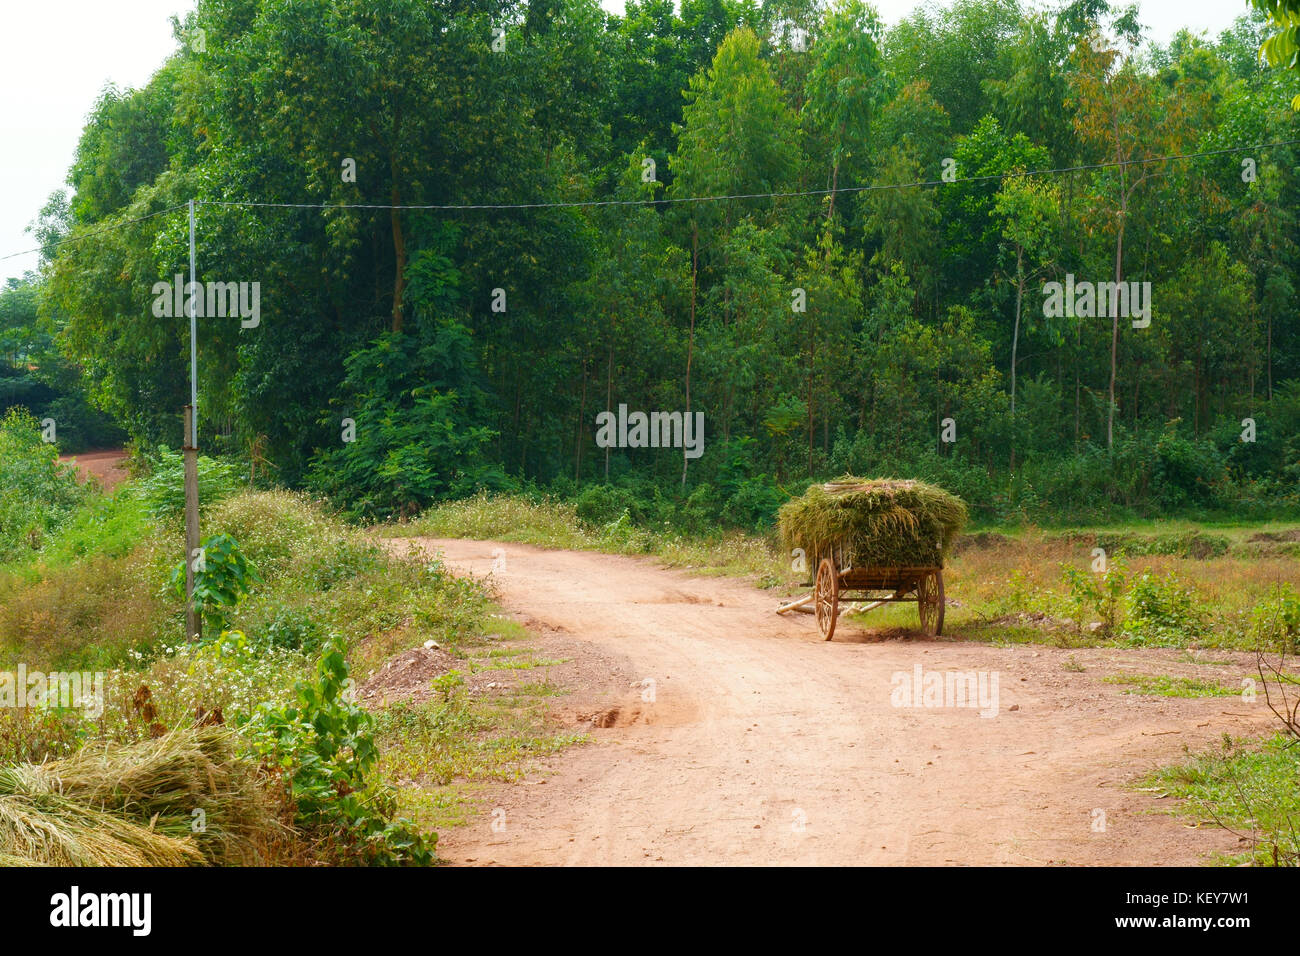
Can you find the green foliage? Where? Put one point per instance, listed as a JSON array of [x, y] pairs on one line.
[[35, 375], [1283, 47], [222, 578], [1275, 622], [1098, 593], [598, 505], [164, 488], [416, 399], [37, 493], [323, 745], [1249, 789], [1162, 611]]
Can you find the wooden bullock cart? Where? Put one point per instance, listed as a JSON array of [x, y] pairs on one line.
[[835, 582]]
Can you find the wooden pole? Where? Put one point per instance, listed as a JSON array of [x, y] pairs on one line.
[[193, 622]]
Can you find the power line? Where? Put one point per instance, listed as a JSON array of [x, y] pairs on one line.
[[91, 235], [592, 203]]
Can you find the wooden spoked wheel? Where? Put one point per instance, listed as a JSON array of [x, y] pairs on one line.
[[930, 603], [827, 597]]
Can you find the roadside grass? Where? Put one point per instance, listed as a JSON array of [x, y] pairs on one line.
[[1163, 685], [110, 525], [444, 753], [1249, 789], [93, 598], [520, 665], [555, 524], [90, 598]]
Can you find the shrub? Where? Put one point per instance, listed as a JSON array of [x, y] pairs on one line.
[[222, 578], [164, 488], [36, 492], [1187, 472], [323, 746], [1275, 622], [421, 432], [1096, 593], [753, 504], [291, 628], [598, 505], [1161, 611]]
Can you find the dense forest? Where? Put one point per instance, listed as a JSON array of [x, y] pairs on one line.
[[838, 242]]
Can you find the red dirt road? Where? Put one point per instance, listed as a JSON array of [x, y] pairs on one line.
[[757, 743], [108, 466]]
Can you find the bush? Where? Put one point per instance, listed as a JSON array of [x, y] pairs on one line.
[[164, 488], [222, 578], [291, 628], [754, 503], [1162, 611], [420, 417], [1275, 622], [1187, 472], [323, 746], [598, 505], [1098, 593], [36, 492]]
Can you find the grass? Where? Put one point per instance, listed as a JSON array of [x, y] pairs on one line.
[[521, 665], [445, 752], [1162, 685], [548, 523], [1250, 790], [883, 522], [93, 598]]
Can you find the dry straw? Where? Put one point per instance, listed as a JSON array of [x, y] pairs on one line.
[[114, 805], [864, 522]]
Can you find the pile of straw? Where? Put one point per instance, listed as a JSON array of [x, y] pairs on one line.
[[135, 806], [873, 523]]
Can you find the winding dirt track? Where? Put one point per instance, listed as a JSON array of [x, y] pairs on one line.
[[759, 744]]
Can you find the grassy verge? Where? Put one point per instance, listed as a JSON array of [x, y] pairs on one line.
[[444, 751], [330, 609], [1247, 788], [550, 523], [1162, 685]]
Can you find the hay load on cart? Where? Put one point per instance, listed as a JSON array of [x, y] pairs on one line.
[[874, 541]]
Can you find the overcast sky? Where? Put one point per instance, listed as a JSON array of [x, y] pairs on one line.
[[56, 55]]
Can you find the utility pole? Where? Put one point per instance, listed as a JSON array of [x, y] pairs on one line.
[[193, 622]]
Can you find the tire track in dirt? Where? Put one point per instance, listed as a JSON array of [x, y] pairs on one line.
[[765, 745]]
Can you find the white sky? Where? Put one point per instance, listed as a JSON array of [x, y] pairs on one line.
[[56, 55]]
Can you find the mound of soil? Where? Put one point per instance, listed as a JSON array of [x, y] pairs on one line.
[[1275, 536], [407, 677]]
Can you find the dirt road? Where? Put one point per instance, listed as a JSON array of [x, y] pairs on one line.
[[108, 466], [758, 743]]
